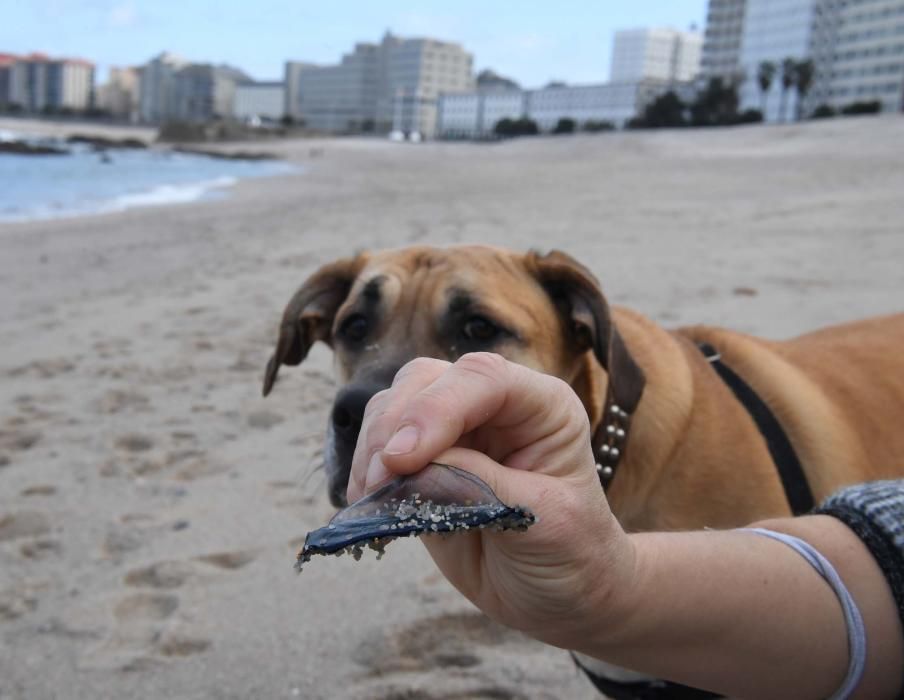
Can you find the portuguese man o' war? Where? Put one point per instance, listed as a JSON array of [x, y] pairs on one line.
[[438, 499]]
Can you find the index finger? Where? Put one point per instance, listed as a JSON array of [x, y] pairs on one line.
[[381, 418]]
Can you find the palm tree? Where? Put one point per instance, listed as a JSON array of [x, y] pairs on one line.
[[803, 81], [764, 76], [789, 77]]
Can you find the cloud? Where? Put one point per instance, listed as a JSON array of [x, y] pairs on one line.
[[122, 14]]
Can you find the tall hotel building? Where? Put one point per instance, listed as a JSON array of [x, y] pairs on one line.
[[857, 47], [773, 31], [722, 39], [859, 53]]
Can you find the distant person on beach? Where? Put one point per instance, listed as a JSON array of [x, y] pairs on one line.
[[806, 607]]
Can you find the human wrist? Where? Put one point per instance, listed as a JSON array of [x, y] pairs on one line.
[[608, 597]]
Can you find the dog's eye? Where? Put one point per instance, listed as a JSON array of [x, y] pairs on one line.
[[480, 329], [354, 328]]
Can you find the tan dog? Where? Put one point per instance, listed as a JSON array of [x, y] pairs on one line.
[[694, 456]]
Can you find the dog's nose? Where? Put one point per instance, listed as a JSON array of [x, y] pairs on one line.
[[348, 410]]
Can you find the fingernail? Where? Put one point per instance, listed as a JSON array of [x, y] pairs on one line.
[[377, 474], [403, 442]]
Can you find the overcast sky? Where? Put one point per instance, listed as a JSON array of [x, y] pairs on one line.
[[529, 40]]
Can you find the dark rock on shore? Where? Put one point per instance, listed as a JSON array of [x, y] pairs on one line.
[[222, 155], [23, 148], [104, 143]]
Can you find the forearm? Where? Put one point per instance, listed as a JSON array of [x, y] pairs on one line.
[[747, 616]]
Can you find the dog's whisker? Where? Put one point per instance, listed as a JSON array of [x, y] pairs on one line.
[[317, 468]]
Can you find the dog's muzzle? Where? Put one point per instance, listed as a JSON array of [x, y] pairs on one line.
[[342, 434]]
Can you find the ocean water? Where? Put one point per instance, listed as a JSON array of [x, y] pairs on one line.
[[42, 187]]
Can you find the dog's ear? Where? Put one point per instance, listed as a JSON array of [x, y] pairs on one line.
[[309, 315], [577, 295]]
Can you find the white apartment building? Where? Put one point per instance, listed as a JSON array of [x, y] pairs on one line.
[[656, 54], [263, 100], [418, 71], [155, 93], [475, 114], [722, 40], [859, 53], [119, 95], [379, 87]]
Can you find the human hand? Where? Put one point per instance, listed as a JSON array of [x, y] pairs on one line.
[[527, 436]]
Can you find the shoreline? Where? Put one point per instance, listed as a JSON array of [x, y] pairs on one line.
[[68, 154]]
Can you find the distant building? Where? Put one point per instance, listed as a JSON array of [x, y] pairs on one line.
[[120, 94], [475, 114], [292, 83], [774, 31], [489, 80], [655, 54], [340, 97], [379, 87], [858, 50], [264, 100], [202, 92], [39, 83], [722, 39], [6, 69], [155, 94]]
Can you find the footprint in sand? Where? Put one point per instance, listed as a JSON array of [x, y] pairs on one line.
[[17, 439], [43, 369], [264, 419], [179, 645], [26, 523], [446, 641], [39, 490], [134, 442], [118, 400], [122, 539], [146, 634], [199, 469], [19, 600], [229, 561], [173, 574], [40, 549], [164, 574], [142, 607]]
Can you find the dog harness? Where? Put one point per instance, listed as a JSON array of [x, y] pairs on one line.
[[794, 481]]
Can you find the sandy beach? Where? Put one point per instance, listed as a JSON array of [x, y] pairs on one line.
[[151, 502]]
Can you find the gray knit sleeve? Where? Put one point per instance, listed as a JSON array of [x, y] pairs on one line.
[[875, 512]]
